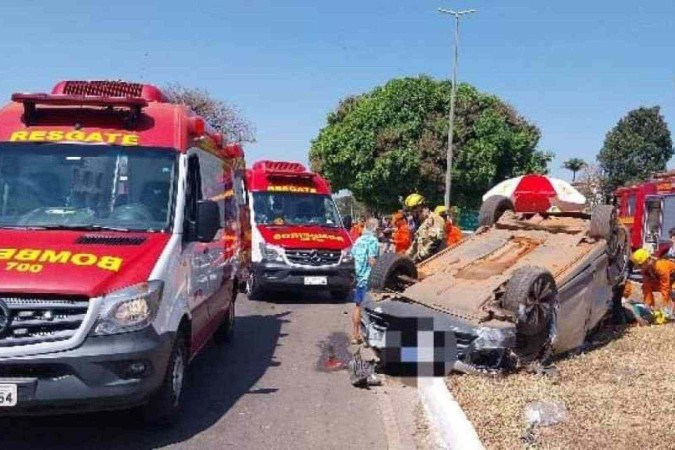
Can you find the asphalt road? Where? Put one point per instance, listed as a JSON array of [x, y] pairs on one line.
[[266, 389]]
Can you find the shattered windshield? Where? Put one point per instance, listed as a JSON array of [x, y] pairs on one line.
[[67, 186], [274, 208]]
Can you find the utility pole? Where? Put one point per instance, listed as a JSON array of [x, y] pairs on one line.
[[448, 171]]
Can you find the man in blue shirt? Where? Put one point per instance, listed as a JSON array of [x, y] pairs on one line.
[[366, 249]]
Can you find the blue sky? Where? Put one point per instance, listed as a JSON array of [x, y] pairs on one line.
[[574, 67]]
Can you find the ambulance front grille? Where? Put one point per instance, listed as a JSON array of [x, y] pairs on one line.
[[313, 257], [34, 320]]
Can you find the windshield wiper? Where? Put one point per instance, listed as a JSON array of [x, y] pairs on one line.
[[91, 227]]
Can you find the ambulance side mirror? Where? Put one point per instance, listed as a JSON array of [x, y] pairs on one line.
[[208, 220]]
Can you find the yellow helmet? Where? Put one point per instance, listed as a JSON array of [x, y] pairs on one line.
[[440, 210], [414, 200], [640, 256]]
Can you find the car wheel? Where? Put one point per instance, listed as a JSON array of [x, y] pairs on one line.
[[225, 332], [531, 294], [384, 276], [492, 209], [603, 223], [164, 405]]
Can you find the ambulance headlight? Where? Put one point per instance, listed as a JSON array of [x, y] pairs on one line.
[[347, 256], [129, 309], [272, 253]]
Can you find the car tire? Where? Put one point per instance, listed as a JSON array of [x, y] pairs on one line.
[[531, 294], [492, 209], [163, 406], [225, 332], [603, 222], [384, 275], [253, 289]]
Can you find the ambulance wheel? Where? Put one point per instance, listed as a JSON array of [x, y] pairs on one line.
[[385, 275], [492, 209], [164, 405], [225, 331], [253, 288]]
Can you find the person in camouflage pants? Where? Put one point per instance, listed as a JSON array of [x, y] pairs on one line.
[[429, 237]]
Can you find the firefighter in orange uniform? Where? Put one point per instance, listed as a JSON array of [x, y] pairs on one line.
[[452, 233], [655, 277], [402, 236], [357, 229]]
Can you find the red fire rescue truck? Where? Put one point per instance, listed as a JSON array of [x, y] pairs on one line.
[[123, 224], [298, 237], [648, 211]]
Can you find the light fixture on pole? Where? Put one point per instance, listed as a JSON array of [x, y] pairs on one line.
[[448, 171]]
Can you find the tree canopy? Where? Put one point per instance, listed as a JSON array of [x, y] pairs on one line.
[[222, 116], [637, 146], [391, 141], [574, 165]]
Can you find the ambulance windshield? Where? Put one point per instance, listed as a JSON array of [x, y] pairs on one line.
[[69, 186], [283, 208]]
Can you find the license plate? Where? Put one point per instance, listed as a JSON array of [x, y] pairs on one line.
[[8, 395], [316, 281]]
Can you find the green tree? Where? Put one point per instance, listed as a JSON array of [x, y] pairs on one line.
[[222, 116], [574, 165], [392, 141], [637, 146]]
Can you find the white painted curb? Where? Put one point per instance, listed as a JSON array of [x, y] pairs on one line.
[[447, 416]]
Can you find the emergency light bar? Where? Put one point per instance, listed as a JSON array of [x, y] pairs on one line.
[[30, 102], [107, 88], [283, 170], [279, 167]]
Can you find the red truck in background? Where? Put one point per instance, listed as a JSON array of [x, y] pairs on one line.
[[299, 241], [648, 211], [123, 242]]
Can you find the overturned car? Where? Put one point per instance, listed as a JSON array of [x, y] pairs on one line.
[[523, 287]]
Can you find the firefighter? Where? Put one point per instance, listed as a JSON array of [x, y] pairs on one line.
[[402, 235], [452, 233], [413, 204], [429, 237], [357, 229], [671, 250], [656, 275]]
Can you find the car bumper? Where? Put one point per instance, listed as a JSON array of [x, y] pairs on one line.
[[477, 345], [93, 377], [280, 276]]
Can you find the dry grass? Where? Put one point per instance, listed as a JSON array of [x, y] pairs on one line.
[[619, 396]]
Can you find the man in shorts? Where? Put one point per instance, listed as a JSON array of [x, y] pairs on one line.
[[366, 249]]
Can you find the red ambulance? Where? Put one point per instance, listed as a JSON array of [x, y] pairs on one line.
[[299, 242], [123, 241], [648, 211]]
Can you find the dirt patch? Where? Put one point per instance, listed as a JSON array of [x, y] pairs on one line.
[[620, 395]]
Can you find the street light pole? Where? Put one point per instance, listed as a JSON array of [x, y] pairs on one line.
[[448, 171]]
